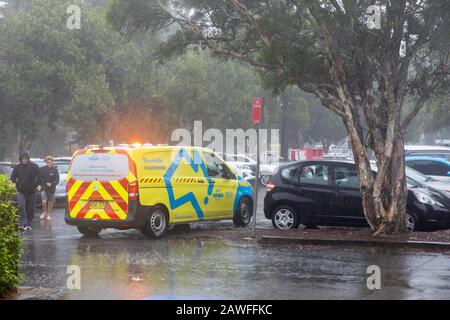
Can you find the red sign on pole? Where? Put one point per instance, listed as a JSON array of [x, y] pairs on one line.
[[257, 110]]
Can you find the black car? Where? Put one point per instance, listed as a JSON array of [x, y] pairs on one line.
[[327, 193]]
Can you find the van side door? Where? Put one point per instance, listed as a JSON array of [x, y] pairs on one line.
[[221, 201]]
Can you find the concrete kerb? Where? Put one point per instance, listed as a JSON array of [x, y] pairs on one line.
[[356, 242]]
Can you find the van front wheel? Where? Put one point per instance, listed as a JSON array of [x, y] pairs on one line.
[[156, 223], [243, 213]]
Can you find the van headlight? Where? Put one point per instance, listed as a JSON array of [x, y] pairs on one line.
[[424, 198]]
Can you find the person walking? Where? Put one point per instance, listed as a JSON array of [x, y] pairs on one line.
[[49, 179], [26, 177]]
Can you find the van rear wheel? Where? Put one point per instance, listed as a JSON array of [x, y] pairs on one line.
[[243, 213], [156, 223], [89, 231]]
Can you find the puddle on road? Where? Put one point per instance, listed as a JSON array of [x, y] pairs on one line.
[[155, 267], [125, 265]]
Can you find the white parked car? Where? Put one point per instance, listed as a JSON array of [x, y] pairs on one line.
[[268, 166], [246, 174], [241, 160]]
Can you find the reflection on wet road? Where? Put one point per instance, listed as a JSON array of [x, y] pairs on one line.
[[125, 265]]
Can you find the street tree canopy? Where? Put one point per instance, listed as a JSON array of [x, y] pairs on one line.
[[365, 75]]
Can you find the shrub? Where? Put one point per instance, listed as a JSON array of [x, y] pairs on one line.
[[10, 244]]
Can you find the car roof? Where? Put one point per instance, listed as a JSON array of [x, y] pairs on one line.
[[412, 158], [316, 161]]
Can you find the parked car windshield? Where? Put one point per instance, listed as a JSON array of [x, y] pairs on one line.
[[416, 175], [413, 177]]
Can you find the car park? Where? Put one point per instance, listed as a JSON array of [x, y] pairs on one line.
[[6, 168], [40, 162], [241, 160], [149, 188], [63, 167], [326, 193], [245, 173], [269, 165], [437, 168]]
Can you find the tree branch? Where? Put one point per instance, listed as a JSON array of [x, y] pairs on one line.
[[251, 19]]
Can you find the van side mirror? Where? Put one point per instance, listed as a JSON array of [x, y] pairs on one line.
[[448, 173]]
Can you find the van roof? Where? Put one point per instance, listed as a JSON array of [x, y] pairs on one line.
[[150, 148]]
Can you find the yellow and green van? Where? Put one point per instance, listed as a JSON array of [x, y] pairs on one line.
[[150, 188]]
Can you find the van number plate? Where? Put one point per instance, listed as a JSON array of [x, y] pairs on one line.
[[97, 205]]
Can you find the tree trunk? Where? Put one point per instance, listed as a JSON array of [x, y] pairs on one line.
[[385, 210], [394, 193]]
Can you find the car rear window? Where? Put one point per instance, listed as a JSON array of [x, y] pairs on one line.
[[314, 174], [101, 167], [289, 173]]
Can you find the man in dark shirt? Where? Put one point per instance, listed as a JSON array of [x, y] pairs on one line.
[[49, 181], [26, 177]]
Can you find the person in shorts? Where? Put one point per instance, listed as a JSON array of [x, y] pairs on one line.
[[49, 177]]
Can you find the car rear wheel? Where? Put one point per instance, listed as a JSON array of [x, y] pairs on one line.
[[89, 231], [244, 213], [156, 223], [285, 218]]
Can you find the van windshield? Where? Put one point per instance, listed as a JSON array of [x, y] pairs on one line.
[[101, 167]]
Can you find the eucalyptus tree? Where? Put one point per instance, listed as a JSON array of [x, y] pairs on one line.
[[364, 60]]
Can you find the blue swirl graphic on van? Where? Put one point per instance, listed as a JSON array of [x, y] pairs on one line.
[[196, 163]]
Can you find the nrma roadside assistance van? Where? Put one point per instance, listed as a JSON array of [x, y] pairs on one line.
[[150, 188]]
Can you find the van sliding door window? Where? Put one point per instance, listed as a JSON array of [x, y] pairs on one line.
[[214, 165]]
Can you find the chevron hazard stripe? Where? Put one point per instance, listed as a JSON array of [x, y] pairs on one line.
[[105, 200]]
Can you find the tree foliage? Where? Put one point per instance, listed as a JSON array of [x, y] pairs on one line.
[[10, 244], [49, 73]]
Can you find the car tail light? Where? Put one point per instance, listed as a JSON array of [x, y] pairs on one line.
[[270, 185], [133, 191]]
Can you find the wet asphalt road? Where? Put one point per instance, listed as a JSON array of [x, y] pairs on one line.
[[125, 265]]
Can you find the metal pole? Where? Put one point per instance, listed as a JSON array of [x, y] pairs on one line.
[[255, 190]]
